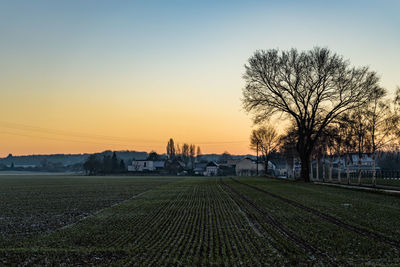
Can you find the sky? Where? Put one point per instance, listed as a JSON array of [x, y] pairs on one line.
[[87, 76]]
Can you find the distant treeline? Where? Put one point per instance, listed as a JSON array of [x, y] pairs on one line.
[[105, 164], [74, 162]]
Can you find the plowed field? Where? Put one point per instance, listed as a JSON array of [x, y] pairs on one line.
[[152, 221]]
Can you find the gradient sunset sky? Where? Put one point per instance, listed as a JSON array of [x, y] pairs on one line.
[[86, 76]]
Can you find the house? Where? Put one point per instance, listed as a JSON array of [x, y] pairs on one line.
[[159, 164], [281, 170], [200, 168], [248, 167], [228, 167], [211, 169], [146, 165], [174, 166], [231, 163], [353, 162]]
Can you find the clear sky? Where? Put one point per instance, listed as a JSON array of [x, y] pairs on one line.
[[85, 76]]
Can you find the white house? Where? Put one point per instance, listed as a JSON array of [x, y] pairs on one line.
[[365, 160], [200, 168], [248, 167], [211, 169], [145, 165], [281, 170]]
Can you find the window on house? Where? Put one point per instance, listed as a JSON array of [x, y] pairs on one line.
[[144, 164]]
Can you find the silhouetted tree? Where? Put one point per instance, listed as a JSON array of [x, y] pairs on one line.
[[192, 154], [225, 157], [311, 88], [171, 149], [153, 156], [107, 164], [178, 152], [381, 124], [340, 135], [288, 148], [321, 150], [185, 153], [198, 153], [92, 165], [396, 99], [122, 166], [358, 123], [114, 163], [265, 139], [348, 145], [397, 112]]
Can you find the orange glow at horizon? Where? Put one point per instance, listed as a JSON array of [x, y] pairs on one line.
[[20, 139], [59, 126]]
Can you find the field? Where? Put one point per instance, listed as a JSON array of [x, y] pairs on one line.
[[193, 221]]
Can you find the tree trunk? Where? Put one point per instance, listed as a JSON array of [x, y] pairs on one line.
[[317, 167], [304, 149], [305, 167], [311, 170]]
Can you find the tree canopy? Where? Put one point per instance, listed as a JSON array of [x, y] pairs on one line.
[[311, 88]]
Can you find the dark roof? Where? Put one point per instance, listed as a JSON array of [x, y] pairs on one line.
[[200, 165], [159, 164], [212, 164]]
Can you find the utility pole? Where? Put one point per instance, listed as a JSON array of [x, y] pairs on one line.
[[257, 158]]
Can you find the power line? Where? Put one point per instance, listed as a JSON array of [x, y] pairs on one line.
[[24, 127], [48, 131], [55, 139]]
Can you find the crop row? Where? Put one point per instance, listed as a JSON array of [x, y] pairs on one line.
[[342, 244], [375, 212], [33, 206], [191, 222], [361, 231], [201, 221]]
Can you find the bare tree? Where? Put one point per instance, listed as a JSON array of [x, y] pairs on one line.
[[185, 153], [171, 149], [321, 148], [339, 134], [178, 151], [288, 149], [311, 88], [397, 112], [397, 97], [348, 145], [358, 119], [331, 133], [192, 153], [198, 153], [265, 139], [381, 123]]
